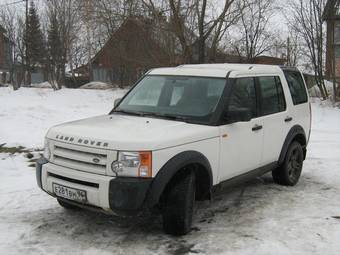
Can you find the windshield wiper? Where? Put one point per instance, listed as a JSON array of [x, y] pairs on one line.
[[129, 113], [166, 116], [152, 114]]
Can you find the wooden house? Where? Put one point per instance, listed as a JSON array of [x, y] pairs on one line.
[[127, 55]]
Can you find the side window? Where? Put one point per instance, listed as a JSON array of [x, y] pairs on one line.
[[296, 87], [272, 97], [243, 95]]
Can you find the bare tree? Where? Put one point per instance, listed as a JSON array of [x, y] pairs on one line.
[[14, 23], [197, 25], [8, 21], [54, 48], [305, 18], [207, 25], [109, 14], [256, 38], [231, 18], [64, 16], [294, 48]]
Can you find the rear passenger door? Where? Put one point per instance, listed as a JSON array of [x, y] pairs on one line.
[[275, 117]]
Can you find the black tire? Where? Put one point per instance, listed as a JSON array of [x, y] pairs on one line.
[[66, 205], [179, 204], [289, 172]]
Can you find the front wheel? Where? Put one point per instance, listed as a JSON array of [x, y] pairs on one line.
[[179, 204], [289, 172]]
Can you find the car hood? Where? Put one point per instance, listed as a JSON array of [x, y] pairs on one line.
[[125, 132]]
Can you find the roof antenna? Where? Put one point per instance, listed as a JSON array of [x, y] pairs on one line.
[[251, 67]]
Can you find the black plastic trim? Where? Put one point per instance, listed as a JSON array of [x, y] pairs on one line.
[[91, 184], [288, 119], [293, 132], [224, 100], [127, 194], [175, 164], [256, 128], [84, 206], [40, 162], [246, 176]]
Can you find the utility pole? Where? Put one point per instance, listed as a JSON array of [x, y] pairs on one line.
[[334, 62], [88, 6], [288, 52], [26, 80]]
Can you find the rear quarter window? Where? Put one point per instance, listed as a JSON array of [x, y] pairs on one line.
[[296, 87]]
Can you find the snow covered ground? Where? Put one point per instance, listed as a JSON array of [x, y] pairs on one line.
[[259, 217], [26, 114]]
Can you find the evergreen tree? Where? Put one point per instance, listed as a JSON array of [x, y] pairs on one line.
[[34, 40]]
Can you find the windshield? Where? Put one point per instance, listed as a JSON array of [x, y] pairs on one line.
[[180, 97]]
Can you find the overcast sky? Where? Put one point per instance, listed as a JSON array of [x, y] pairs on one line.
[[278, 21]]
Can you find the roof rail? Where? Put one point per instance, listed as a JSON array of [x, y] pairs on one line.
[[289, 68]]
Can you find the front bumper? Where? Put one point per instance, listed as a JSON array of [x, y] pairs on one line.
[[117, 195]]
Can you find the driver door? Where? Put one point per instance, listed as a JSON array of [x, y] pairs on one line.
[[241, 141]]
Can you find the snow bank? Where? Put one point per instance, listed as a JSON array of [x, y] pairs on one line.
[[43, 85], [315, 91], [97, 85]]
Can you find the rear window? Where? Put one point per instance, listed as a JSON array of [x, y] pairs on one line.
[[297, 87]]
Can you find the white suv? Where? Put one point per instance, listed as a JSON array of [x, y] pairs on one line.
[[176, 135]]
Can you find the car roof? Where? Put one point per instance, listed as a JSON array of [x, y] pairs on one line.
[[219, 70]]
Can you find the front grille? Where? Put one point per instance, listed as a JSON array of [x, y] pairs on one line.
[[80, 156], [83, 158], [73, 163]]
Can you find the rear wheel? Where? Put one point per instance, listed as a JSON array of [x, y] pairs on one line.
[[289, 172], [67, 205], [179, 204]]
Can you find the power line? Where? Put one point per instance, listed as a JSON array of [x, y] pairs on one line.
[[16, 2]]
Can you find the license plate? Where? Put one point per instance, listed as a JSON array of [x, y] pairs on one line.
[[69, 193]]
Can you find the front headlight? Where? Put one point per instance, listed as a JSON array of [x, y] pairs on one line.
[[133, 164], [47, 151]]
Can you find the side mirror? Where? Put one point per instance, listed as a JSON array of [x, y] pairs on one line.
[[237, 115], [116, 102]]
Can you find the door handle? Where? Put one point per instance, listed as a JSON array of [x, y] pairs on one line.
[[256, 127], [287, 119]]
